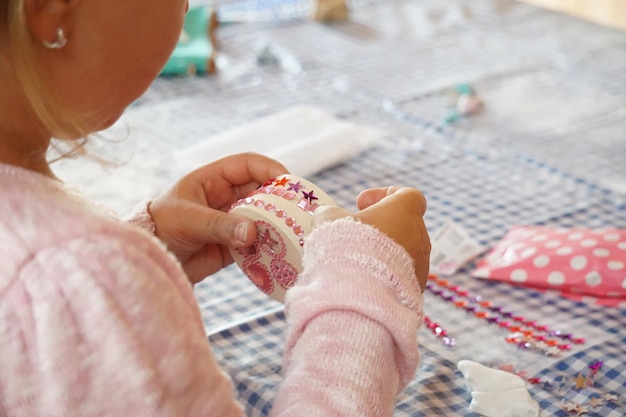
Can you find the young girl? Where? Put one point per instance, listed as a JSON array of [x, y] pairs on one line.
[[98, 316]]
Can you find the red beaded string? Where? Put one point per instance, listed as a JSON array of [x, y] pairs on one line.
[[439, 332], [526, 334]]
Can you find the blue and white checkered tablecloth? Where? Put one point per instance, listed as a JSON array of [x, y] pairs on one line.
[[251, 349], [549, 148]]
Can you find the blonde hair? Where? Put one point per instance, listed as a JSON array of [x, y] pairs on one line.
[[22, 60]]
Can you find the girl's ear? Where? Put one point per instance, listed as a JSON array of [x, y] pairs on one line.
[[44, 18]]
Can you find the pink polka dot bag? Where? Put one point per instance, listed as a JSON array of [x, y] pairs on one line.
[[583, 264]]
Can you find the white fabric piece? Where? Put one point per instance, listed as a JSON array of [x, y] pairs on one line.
[[497, 393], [305, 139], [479, 377], [511, 403]]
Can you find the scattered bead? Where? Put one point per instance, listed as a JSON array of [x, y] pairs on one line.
[[595, 366], [439, 332], [448, 341]]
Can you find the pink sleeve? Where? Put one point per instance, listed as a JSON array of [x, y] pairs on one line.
[[141, 217], [107, 326], [353, 317]]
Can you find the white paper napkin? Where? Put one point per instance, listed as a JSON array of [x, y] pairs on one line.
[[305, 139]]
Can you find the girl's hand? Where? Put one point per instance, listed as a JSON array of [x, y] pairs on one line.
[[396, 211], [191, 217]]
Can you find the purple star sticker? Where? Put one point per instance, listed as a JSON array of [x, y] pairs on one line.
[[309, 196], [295, 187]]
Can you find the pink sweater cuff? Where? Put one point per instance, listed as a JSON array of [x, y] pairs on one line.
[[141, 217], [351, 266]]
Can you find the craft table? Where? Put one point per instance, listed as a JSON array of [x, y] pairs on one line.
[[548, 148]]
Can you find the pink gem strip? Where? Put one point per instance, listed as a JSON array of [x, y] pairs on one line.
[[303, 204], [439, 332], [526, 334], [289, 191], [282, 188], [290, 222]]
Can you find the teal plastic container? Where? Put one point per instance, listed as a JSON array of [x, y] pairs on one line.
[[195, 51]]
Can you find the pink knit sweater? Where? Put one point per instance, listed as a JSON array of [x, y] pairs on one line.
[[98, 319]]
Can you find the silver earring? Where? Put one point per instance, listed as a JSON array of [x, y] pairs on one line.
[[59, 43]]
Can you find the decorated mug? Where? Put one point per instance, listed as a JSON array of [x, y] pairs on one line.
[[282, 210]]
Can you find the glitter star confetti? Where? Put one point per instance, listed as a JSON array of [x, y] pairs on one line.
[[569, 407], [610, 397], [581, 382], [595, 366], [596, 402], [581, 409]]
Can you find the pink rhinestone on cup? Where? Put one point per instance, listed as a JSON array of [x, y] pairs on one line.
[[279, 192], [303, 204]]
